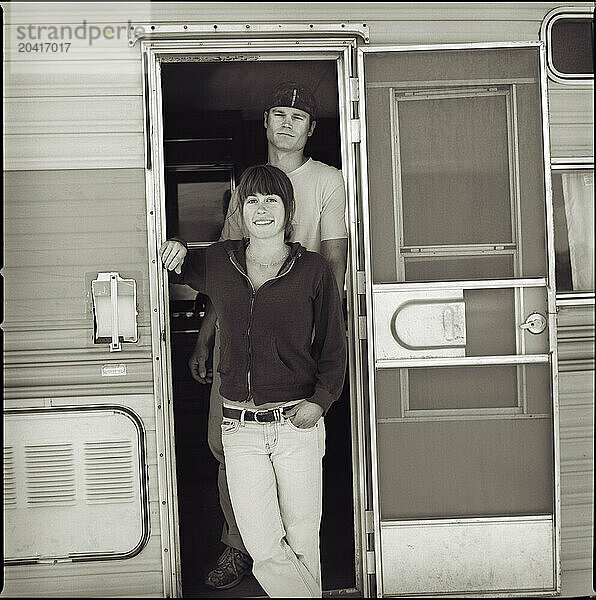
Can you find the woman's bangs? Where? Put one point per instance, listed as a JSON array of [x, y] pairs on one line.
[[261, 181]]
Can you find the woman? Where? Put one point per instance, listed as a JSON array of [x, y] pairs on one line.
[[282, 365]]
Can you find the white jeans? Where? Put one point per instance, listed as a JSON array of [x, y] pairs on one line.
[[274, 473]]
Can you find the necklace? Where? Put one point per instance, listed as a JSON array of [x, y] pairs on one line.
[[253, 260]]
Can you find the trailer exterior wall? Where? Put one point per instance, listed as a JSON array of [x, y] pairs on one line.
[[75, 205], [576, 386]]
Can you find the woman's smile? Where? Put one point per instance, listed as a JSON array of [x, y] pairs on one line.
[[264, 215]]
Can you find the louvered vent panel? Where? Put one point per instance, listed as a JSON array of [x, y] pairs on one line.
[[109, 471], [10, 488], [80, 483], [50, 477]]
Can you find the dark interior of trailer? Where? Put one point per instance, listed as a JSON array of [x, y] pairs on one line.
[[213, 129]]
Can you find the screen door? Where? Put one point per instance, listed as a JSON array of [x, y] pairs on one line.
[[460, 306]]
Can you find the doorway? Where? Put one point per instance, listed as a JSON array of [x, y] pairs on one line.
[[213, 129]]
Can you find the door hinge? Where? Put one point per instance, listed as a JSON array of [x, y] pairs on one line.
[[362, 327], [163, 335], [369, 522], [360, 282], [370, 562], [354, 89], [355, 124]]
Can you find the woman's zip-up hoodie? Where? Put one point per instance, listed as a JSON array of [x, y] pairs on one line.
[[284, 341]]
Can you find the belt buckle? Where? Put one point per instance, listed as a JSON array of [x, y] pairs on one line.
[[256, 416], [276, 411]]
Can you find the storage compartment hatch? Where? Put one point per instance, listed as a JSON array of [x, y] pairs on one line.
[[74, 485]]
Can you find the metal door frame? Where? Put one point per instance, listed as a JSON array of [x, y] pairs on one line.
[[550, 287], [178, 49]]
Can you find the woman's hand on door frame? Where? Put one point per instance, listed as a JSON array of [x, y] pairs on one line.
[[172, 255]]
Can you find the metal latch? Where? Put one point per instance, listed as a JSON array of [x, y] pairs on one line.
[[114, 310], [535, 323]]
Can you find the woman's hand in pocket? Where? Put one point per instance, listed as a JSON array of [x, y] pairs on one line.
[[305, 414]]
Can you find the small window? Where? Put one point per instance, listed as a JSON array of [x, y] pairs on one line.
[[573, 202], [197, 201], [569, 36]]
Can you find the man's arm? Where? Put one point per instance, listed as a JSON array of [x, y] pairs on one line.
[[334, 234], [198, 359], [336, 253]]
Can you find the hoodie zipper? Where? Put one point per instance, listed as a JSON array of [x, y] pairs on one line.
[[252, 305]]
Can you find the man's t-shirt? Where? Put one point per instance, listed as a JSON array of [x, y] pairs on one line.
[[320, 207]]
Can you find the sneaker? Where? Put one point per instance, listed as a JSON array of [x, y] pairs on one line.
[[229, 570]]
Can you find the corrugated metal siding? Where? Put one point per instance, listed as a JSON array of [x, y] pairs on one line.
[[571, 112], [571, 104], [45, 77], [576, 400], [73, 115], [64, 226], [106, 132], [75, 204]]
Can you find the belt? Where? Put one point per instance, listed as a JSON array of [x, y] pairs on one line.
[[257, 416]]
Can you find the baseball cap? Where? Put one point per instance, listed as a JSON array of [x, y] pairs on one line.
[[294, 95]]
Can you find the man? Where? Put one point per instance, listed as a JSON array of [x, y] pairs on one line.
[[319, 224]]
